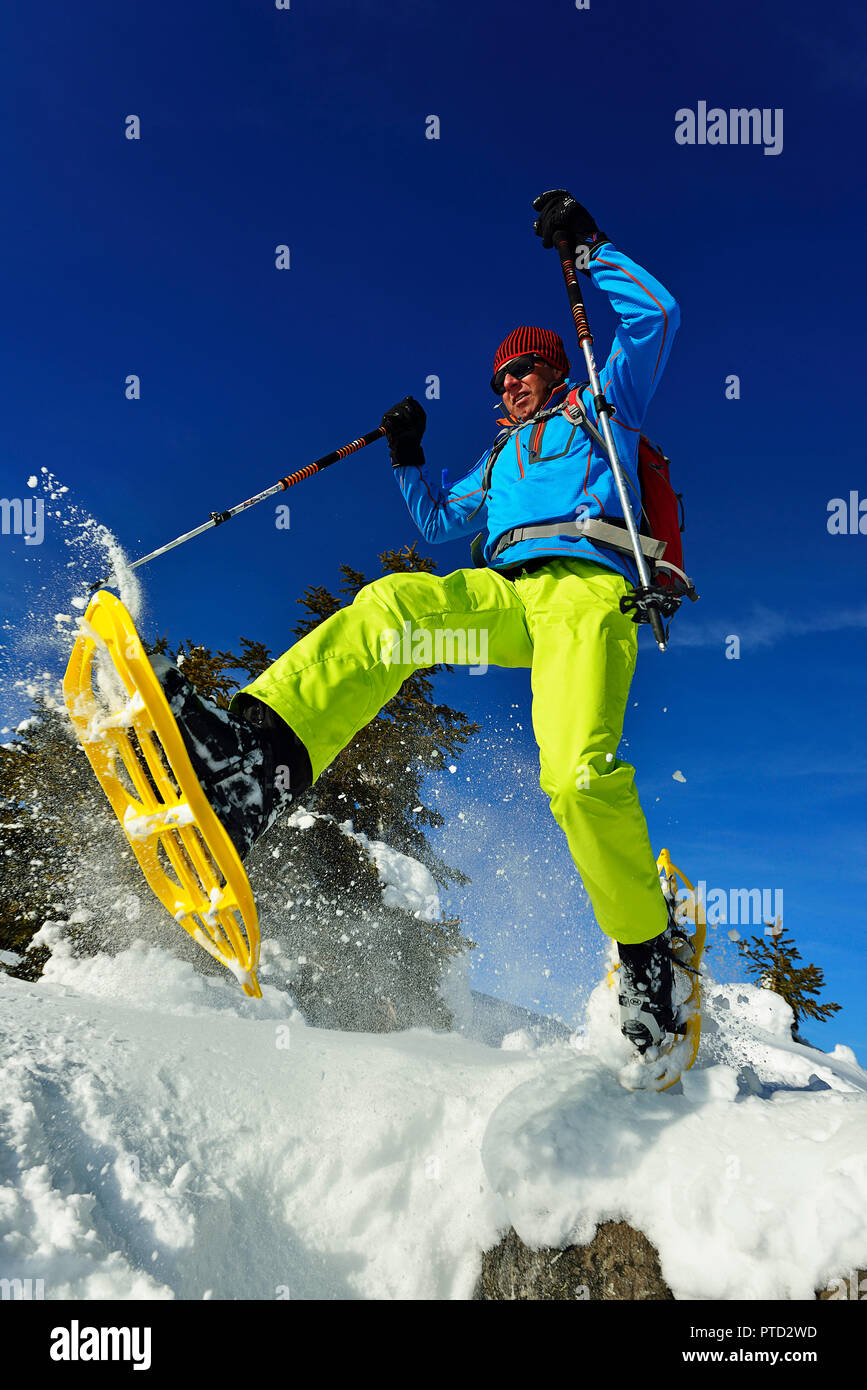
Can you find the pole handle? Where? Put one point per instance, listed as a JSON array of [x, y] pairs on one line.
[[573, 288], [327, 459]]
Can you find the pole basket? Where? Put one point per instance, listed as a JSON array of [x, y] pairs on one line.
[[663, 599]]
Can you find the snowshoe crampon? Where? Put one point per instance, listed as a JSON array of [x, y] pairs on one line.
[[130, 736], [662, 1066]]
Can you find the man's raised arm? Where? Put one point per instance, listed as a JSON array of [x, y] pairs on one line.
[[441, 513]]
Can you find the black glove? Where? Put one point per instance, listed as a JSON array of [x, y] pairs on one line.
[[404, 427], [557, 208]]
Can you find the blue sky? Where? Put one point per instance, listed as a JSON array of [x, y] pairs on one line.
[[411, 256]]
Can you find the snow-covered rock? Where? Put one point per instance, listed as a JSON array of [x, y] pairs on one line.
[[166, 1137]]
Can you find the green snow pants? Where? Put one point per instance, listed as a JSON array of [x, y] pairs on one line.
[[563, 621]]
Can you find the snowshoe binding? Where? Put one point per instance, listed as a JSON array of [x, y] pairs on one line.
[[193, 786], [250, 764]]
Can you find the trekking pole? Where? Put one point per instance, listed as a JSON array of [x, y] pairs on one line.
[[604, 410], [217, 518]]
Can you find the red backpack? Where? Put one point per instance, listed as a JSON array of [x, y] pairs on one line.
[[661, 507]]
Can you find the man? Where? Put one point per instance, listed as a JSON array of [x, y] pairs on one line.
[[546, 596]]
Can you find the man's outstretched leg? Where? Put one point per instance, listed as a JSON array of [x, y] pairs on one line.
[[584, 657], [284, 729]]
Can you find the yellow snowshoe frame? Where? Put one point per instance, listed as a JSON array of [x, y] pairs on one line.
[[184, 852], [690, 914]]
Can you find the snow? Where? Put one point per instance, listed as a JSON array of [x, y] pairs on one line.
[[143, 827], [120, 719], [711, 1083], [34, 655], [169, 1138], [407, 883]]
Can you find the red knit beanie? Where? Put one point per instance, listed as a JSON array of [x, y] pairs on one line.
[[540, 341]]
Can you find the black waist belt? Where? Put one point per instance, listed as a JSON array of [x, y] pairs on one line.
[[605, 532]]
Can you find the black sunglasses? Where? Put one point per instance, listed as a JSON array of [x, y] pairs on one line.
[[518, 367]]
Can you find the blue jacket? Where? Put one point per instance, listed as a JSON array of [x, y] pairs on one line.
[[548, 470]]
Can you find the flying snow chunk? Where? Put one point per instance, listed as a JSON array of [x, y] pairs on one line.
[[407, 884], [678, 776], [32, 480]]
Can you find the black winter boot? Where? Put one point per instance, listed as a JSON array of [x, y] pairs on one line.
[[646, 986], [251, 766]]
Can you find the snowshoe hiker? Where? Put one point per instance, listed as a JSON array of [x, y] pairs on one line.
[[543, 596]]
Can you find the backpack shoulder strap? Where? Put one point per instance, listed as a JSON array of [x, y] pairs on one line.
[[574, 410], [497, 448]]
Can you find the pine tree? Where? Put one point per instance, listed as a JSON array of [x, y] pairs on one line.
[[32, 863], [774, 961], [207, 671], [64, 855]]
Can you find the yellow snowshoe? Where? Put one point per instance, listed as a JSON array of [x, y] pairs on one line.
[[134, 745]]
